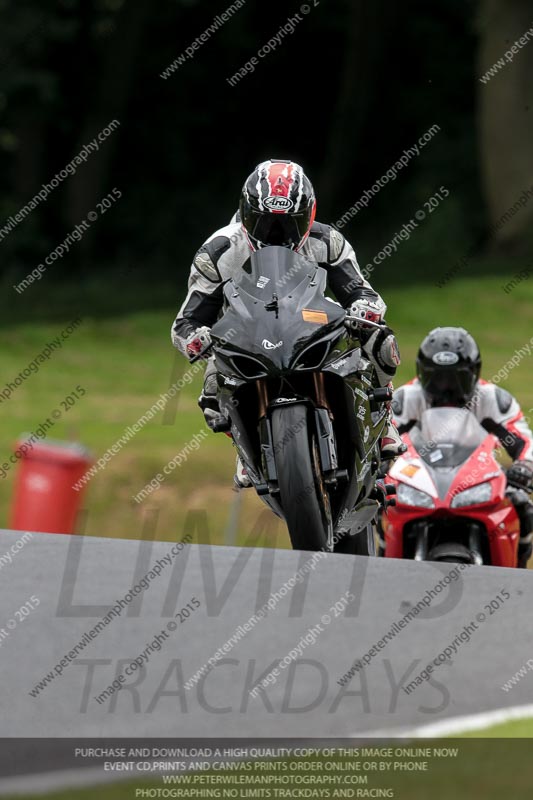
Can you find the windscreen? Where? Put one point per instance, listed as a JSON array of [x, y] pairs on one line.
[[274, 270], [278, 306], [446, 437]]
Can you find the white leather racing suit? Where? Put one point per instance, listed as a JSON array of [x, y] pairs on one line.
[[223, 256], [494, 408], [500, 414]]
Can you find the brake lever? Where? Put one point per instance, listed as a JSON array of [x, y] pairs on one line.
[[364, 322]]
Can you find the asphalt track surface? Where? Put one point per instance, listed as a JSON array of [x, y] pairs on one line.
[[77, 579]]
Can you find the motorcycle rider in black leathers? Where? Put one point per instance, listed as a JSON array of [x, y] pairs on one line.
[[448, 368], [277, 207]]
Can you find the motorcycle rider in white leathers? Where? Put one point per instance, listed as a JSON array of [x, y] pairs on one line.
[[277, 207], [448, 368]]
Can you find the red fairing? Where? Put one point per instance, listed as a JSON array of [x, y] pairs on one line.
[[497, 516]]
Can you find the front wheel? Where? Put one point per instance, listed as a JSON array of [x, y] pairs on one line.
[[304, 497], [362, 544]]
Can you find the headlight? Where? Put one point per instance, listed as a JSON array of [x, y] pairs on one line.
[[313, 356], [248, 367], [413, 497], [471, 497]]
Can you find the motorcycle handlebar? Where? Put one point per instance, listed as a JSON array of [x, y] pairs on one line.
[[201, 355], [348, 320], [363, 322]]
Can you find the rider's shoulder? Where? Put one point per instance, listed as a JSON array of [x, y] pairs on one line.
[[410, 388], [330, 236], [494, 398], [222, 239], [398, 401], [213, 258], [407, 399], [319, 230], [486, 389]]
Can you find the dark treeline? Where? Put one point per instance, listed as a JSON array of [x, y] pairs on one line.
[[352, 86]]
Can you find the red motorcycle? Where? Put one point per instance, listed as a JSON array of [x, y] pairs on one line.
[[451, 499]]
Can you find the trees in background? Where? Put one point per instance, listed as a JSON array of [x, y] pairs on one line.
[[347, 90], [505, 117]]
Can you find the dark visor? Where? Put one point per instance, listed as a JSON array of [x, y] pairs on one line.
[[280, 230], [448, 385]]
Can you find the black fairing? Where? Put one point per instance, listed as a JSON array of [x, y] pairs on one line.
[[278, 326], [275, 310]]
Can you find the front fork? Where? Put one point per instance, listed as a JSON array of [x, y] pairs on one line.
[[327, 445], [421, 546], [321, 399]]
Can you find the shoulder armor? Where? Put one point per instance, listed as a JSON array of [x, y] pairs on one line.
[[332, 238], [504, 400], [336, 244], [398, 401], [207, 257], [320, 231]]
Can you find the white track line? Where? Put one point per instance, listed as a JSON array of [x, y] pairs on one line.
[[453, 725], [72, 778], [56, 780]]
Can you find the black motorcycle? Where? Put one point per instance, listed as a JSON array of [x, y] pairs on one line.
[[296, 392]]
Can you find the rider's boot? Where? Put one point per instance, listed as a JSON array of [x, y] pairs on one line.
[[391, 443], [241, 479], [208, 400], [524, 508]]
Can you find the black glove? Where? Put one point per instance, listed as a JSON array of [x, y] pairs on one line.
[[520, 475]]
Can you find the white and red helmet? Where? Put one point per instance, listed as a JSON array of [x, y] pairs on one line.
[[277, 205]]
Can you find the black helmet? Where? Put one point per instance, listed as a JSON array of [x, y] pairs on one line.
[[448, 366], [277, 205]]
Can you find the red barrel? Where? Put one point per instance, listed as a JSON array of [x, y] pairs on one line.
[[44, 499]]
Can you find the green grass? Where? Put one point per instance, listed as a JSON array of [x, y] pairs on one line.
[[125, 362], [518, 729]]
